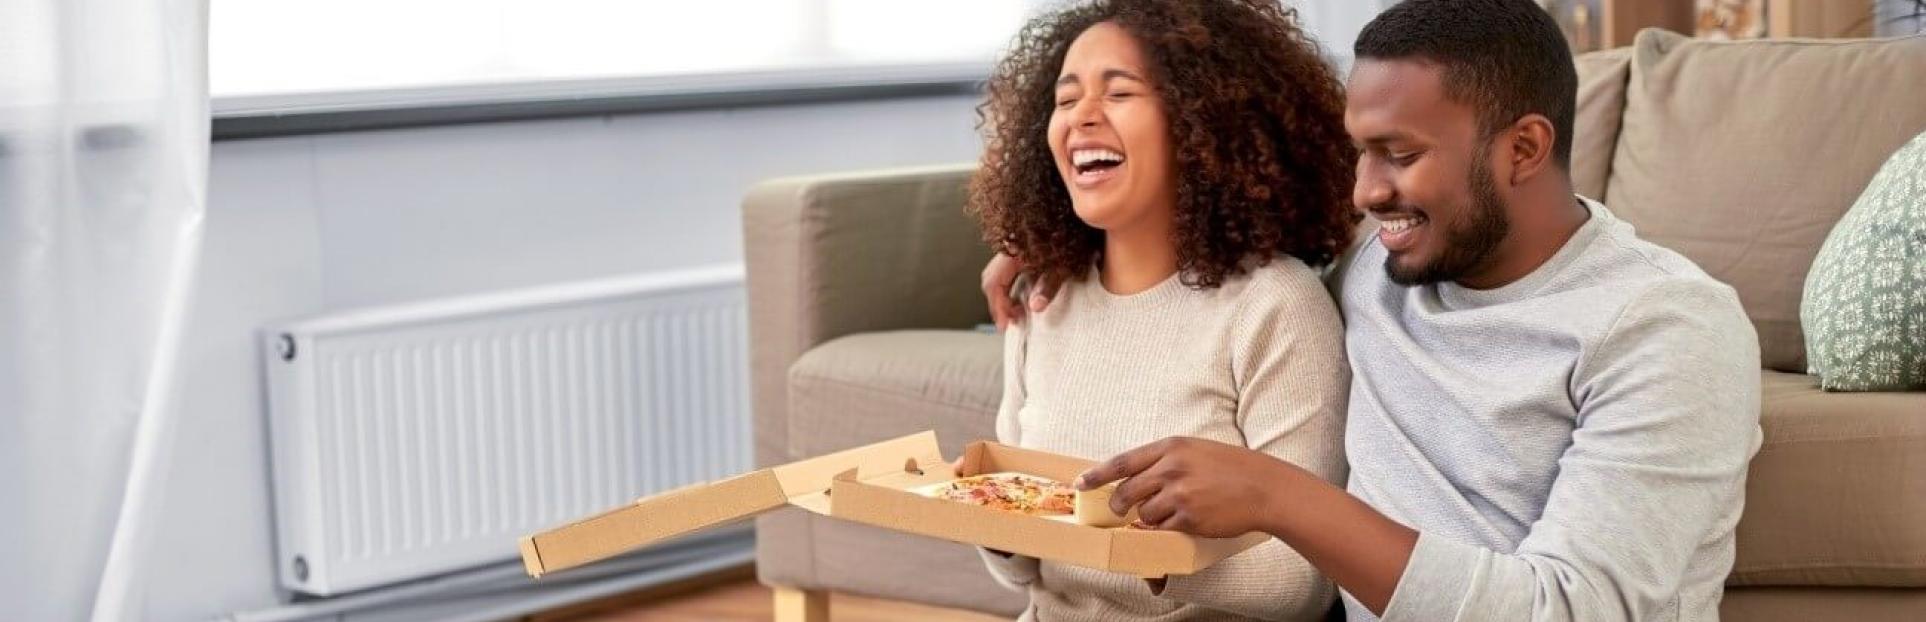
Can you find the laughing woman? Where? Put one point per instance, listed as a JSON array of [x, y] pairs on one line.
[[1181, 167]]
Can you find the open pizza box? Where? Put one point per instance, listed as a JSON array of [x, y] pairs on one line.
[[886, 485]]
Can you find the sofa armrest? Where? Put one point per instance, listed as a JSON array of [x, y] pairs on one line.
[[828, 256]]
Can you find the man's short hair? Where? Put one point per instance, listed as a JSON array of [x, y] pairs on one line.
[[1505, 58]]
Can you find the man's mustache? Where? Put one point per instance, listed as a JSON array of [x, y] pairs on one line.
[[1391, 209]]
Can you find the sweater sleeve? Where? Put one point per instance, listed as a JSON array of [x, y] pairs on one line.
[[1668, 420], [1293, 385], [1015, 338], [1016, 572]]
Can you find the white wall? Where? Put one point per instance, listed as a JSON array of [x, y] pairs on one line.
[[1335, 23], [305, 225]]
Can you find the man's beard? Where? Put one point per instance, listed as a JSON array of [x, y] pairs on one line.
[[1467, 247]]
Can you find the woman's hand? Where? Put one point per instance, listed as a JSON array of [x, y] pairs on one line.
[[998, 277]]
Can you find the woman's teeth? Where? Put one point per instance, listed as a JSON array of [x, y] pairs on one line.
[[1085, 159]]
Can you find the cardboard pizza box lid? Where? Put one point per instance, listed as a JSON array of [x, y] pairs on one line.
[[891, 500], [694, 508]]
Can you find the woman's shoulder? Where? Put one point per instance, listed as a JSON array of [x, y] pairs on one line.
[[1284, 301], [1284, 280]]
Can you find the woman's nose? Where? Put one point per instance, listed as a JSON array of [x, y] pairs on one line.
[[1087, 113]]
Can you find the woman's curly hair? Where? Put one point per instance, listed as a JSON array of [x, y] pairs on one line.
[[1263, 165]]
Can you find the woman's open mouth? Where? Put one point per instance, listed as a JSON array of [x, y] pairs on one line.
[[1094, 166]]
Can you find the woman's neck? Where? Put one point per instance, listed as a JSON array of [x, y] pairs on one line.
[[1137, 259]]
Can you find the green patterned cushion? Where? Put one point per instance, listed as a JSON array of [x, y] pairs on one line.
[[1864, 311]]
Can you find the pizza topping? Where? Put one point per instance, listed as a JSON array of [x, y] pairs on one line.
[[1014, 493]]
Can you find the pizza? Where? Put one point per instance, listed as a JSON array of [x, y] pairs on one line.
[[1024, 494]]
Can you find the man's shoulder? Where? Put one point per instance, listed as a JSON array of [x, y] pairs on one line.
[[1647, 276], [1667, 307], [1636, 258]]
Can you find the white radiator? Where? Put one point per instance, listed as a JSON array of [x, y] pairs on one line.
[[415, 440]]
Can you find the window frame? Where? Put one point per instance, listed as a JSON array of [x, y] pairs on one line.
[[257, 116]]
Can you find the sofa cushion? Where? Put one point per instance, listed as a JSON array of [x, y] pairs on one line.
[[1837, 493], [1742, 155], [1595, 124], [869, 387]]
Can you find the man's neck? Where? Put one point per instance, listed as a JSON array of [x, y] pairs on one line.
[[1537, 233]]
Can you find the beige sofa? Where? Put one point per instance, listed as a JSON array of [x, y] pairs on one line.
[[864, 302]]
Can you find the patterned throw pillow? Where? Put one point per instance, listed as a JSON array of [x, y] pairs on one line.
[[1864, 311]]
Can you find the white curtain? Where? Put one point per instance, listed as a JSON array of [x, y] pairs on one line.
[[1898, 18], [103, 167]]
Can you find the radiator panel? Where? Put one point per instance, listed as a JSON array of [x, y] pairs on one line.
[[422, 439]]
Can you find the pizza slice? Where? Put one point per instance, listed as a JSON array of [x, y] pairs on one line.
[[1024, 494]]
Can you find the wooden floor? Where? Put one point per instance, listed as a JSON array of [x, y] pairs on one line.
[[735, 596]]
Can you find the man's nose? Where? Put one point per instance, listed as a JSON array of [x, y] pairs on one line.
[[1372, 188]]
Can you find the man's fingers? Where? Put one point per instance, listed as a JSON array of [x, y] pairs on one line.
[[1178, 520], [998, 276], [1122, 465], [1002, 309], [1156, 510], [1042, 294], [1133, 492]]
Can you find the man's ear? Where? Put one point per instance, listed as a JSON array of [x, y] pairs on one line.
[[1532, 142]]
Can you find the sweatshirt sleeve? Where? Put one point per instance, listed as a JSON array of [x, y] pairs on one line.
[[1668, 420]]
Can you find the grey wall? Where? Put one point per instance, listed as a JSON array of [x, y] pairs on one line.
[[310, 224]]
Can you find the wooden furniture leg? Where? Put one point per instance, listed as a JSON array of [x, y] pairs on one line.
[[798, 605]]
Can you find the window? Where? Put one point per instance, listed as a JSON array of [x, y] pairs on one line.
[[293, 48]]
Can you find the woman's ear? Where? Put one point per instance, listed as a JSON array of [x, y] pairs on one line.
[[1532, 142]]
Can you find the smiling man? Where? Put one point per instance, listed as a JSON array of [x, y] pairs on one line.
[[1549, 418]]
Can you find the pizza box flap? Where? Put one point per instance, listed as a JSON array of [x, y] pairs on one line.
[[690, 509], [889, 500]]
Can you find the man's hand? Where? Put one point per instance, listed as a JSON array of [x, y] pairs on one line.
[[1196, 486], [998, 277], [1216, 490]]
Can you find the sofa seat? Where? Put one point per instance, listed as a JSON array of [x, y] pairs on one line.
[[858, 389], [1837, 493]]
